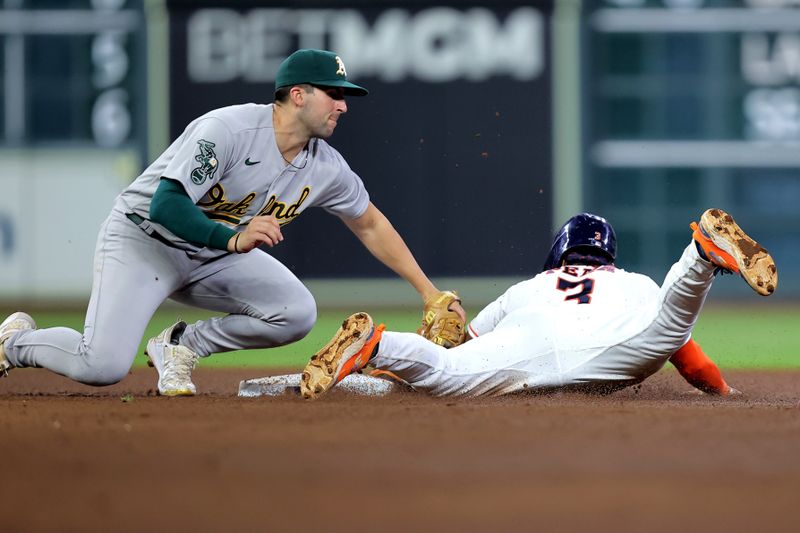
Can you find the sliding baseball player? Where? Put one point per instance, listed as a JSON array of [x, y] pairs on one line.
[[582, 323]]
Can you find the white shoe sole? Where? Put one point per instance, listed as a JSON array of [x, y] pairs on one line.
[[176, 392]]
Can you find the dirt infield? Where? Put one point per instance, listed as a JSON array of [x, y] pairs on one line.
[[77, 458]]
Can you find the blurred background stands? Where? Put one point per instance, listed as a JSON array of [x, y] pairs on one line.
[[518, 113]]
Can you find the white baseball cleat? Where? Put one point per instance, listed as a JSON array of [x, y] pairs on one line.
[[14, 323], [173, 362]]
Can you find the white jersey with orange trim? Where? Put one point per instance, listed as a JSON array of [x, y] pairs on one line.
[[576, 326], [589, 307]]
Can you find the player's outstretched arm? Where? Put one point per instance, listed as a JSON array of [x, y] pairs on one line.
[[700, 371], [378, 235]]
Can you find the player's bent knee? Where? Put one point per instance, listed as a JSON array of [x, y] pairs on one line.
[[107, 375], [293, 323], [300, 317], [104, 368]]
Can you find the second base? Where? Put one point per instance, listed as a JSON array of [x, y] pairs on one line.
[[290, 384]]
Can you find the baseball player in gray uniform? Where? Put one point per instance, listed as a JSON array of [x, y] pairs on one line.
[[189, 228], [581, 323]]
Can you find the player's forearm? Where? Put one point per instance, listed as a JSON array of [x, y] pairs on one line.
[[390, 249], [379, 237], [697, 369], [172, 208]]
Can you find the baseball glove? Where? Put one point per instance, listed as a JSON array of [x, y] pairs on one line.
[[439, 324]]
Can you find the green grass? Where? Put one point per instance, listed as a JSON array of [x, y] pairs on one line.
[[296, 354], [755, 336]]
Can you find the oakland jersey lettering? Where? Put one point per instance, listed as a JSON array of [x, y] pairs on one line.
[[280, 211], [218, 207]]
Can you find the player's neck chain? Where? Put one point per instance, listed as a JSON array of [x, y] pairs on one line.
[[297, 167]]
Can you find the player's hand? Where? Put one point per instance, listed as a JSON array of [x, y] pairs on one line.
[[260, 230], [456, 307], [443, 319]]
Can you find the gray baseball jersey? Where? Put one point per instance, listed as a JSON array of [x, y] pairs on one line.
[[229, 164]]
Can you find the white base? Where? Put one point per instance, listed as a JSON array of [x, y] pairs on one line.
[[290, 384]]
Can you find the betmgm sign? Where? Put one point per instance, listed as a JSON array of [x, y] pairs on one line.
[[435, 45], [459, 108]]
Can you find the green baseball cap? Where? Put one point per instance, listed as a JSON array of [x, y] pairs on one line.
[[316, 67]]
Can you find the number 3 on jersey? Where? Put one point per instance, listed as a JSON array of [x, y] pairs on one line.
[[584, 296]]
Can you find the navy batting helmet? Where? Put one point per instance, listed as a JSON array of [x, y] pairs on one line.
[[583, 231]]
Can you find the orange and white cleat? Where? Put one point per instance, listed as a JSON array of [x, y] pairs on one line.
[[347, 352], [728, 247]]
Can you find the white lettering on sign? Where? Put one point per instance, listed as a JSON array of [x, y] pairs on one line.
[[773, 114], [111, 112], [438, 44], [214, 45], [771, 59]]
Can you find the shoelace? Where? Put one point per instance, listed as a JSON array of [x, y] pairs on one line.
[[181, 363]]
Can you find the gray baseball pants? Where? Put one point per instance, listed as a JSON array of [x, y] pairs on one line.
[[134, 274]]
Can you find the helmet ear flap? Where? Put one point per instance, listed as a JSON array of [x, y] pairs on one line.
[[553, 259]]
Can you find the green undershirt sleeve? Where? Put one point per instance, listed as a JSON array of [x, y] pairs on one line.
[[172, 208]]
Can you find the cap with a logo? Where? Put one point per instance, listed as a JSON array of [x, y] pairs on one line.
[[316, 67]]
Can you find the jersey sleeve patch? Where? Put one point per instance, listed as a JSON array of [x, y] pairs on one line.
[[201, 156], [207, 160]]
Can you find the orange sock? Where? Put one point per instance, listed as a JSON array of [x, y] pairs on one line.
[[698, 369]]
